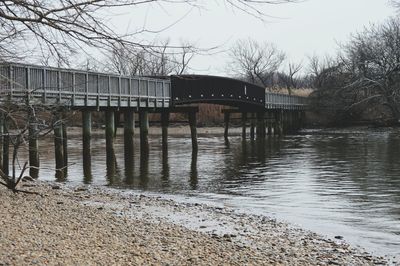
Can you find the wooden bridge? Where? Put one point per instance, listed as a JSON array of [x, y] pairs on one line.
[[267, 112]]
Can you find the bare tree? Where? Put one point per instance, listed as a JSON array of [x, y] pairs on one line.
[[63, 27], [23, 121], [255, 62], [290, 77], [373, 59], [158, 62]]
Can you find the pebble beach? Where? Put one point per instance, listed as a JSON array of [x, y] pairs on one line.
[[87, 225]]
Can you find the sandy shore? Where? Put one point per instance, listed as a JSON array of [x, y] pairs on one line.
[[95, 226]]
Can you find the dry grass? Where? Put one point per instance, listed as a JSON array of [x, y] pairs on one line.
[[304, 92]]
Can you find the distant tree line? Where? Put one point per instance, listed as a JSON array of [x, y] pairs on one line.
[[363, 81]]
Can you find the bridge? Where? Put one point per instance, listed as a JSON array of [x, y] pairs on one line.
[[92, 92]]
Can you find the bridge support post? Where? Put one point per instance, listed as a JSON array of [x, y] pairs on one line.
[[278, 130], [260, 125], [5, 141], [6, 153], [298, 120], [226, 122], [244, 121], [284, 121], [252, 126], [65, 144], [86, 137], [293, 120], [129, 131], [1, 140], [110, 152], [117, 119], [33, 151], [164, 129], [58, 147], [110, 131], [144, 130], [193, 130], [269, 123], [302, 118]]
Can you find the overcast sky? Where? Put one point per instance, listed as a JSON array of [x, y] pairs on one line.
[[301, 29]]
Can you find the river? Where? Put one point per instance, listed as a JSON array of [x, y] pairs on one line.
[[336, 182]]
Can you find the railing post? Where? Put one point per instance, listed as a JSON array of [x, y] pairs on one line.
[[73, 88], [44, 84], [11, 80], [87, 89], [59, 85], [1, 139]]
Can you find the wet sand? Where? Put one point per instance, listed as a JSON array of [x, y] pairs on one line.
[[87, 225]]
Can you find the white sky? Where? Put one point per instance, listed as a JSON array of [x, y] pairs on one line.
[[301, 29]]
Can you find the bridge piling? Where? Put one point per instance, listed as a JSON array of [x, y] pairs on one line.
[[144, 129], [1, 140], [244, 121], [278, 130], [65, 144], [110, 152], [298, 120], [284, 121], [252, 126], [110, 130], [33, 148], [58, 147], [226, 122], [86, 138], [193, 130], [129, 131], [269, 123], [260, 125], [164, 129], [6, 153]]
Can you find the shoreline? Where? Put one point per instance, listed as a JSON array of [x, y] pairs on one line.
[[92, 225]]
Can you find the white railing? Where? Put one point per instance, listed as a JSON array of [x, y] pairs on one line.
[[82, 89], [284, 101]]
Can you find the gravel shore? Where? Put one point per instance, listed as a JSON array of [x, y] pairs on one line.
[[67, 225]]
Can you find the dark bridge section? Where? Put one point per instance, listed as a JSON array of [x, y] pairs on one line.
[[219, 90]]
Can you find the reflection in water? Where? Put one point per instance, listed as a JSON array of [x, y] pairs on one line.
[[129, 157], [165, 165], [334, 182], [87, 166], [193, 170], [60, 176], [113, 173], [144, 168]]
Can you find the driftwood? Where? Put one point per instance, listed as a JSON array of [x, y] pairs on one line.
[[12, 182]]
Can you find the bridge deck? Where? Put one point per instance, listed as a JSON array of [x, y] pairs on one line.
[[76, 88]]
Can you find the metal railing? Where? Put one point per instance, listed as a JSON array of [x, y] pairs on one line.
[[77, 88], [284, 101]]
